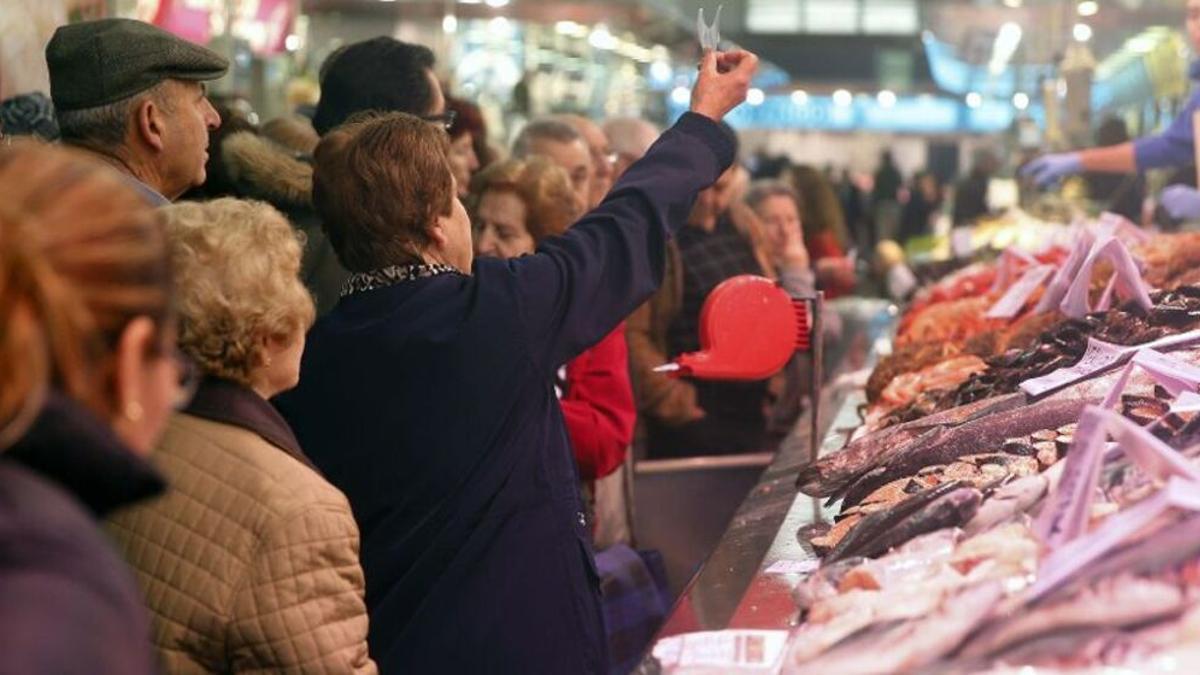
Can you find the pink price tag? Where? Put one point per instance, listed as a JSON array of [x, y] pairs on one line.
[[1010, 262], [1101, 356], [1188, 402], [1069, 508], [1069, 559], [1062, 279], [1129, 283], [1123, 228], [1011, 303]]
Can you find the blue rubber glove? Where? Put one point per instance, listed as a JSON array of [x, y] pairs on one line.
[[1049, 169], [1181, 202]]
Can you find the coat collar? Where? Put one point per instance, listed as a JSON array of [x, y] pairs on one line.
[[69, 445], [229, 402]]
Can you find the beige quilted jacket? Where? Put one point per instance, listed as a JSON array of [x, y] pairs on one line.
[[250, 562]]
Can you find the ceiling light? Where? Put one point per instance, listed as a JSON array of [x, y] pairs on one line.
[[755, 96], [1012, 3], [800, 97], [1088, 8], [291, 42], [602, 39], [660, 71], [496, 3], [449, 24], [681, 95], [1082, 32], [886, 98], [974, 99], [1020, 100], [842, 98]]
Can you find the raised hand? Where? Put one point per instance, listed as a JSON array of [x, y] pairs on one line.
[[723, 82]]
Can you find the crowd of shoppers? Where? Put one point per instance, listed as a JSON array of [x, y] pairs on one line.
[[319, 416]]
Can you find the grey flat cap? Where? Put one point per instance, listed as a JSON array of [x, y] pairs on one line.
[[95, 63]]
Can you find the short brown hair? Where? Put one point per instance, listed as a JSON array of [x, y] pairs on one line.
[[543, 186], [81, 255], [378, 185]]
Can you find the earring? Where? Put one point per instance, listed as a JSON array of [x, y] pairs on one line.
[[133, 411]]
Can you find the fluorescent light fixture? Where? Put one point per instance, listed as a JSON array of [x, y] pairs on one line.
[[1012, 3], [1008, 38], [755, 96], [660, 71], [842, 98], [1082, 32], [974, 99], [886, 98], [497, 3], [800, 97], [602, 39], [1088, 8], [1020, 100], [681, 95]]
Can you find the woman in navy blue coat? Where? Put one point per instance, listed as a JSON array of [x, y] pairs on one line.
[[427, 394]]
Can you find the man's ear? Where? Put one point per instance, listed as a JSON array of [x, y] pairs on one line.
[[149, 122]]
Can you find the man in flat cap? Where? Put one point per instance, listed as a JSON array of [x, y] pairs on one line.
[[134, 94]]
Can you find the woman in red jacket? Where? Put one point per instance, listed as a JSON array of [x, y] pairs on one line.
[[517, 203]]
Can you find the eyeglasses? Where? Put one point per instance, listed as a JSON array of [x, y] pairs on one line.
[[445, 120]]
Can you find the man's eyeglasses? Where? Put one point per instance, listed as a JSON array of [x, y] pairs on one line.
[[445, 120]]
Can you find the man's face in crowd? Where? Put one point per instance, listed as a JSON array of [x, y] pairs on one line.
[[187, 116], [575, 159], [602, 166]]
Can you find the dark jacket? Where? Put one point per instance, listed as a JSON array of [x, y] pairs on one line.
[[68, 604], [264, 170], [431, 404]]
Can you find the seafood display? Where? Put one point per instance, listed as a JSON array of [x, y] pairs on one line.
[[935, 558]]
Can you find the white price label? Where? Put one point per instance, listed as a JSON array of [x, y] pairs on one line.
[[744, 651]]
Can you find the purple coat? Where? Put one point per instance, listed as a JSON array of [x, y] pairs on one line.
[[68, 603]]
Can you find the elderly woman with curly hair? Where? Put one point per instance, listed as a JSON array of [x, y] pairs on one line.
[[251, 562]]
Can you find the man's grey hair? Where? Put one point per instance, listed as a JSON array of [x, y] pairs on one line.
[[104, 127], [545, 130], [630, 136]]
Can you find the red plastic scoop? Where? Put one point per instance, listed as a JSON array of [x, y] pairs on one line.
[[749, 328]]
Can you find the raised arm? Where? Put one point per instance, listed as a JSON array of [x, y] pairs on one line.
[[579, 286]]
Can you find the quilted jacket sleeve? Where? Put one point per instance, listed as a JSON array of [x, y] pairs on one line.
[[301, 609]]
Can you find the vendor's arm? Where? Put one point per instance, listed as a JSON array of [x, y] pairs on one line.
[[579, 286]]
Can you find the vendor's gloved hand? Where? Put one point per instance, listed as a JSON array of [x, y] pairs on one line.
[[1181, 202], [1048, 169]]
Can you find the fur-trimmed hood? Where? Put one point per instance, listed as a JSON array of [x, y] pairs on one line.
[[263, 169]]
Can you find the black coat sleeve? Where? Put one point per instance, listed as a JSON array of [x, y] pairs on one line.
[[579, 286]]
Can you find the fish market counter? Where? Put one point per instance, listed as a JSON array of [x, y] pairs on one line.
[[747, 580]]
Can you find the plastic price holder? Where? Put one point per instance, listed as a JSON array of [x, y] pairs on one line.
[[1099, 357], [1172, 374], [1065, 517], [709, 36], [1128, 282], [1010, 304], [1178, 495], [1011, 261], [1066, 272]]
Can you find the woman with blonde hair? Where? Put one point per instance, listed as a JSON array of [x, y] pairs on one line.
[[88, 377], [251, 562]]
